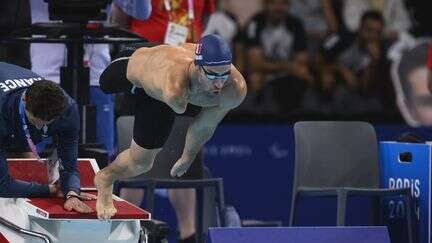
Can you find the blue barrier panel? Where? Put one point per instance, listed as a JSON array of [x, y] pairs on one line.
[[405, 165], [376, 234], [257, 165]]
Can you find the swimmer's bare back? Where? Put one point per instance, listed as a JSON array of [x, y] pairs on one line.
[[164, 73]]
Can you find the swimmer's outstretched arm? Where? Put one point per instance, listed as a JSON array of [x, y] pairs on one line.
[[199, 132], [204, 125]]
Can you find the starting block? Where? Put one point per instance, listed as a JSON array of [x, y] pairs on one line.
[[47, 216]]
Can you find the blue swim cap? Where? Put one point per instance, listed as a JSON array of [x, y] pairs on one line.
[[212, 50]]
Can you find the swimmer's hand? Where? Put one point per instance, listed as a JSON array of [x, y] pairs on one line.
[[180, 167]]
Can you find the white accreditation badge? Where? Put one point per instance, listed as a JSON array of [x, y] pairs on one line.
[[176, 34]]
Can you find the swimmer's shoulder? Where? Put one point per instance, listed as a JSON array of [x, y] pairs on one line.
[[188, 46], [172, 52], [149, 49], [175, 94], [236, 91]]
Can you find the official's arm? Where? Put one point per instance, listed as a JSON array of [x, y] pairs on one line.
[[68, 150], [10, 187]]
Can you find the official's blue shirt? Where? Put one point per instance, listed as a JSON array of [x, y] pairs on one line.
[[14, 81], [139, 9]]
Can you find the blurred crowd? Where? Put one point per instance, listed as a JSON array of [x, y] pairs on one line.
[[300, 57], [318, 57]]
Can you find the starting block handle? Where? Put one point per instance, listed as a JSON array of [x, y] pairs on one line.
[[20, 230]]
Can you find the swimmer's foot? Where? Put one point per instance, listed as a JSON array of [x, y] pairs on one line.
[[104, 205]]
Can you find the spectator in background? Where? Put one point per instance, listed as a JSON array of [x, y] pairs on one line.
[[276, 45], [318, 18], [363, 63], [188, 18], [121, 10], [395, 15], [329, 92], [244, 9], [225, 24], [47, 59], [185, 16]]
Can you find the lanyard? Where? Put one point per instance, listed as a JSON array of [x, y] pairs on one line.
[[190, 9], [53, 163], [30, 142], [191, 15]]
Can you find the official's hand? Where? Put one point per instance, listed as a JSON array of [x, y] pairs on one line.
[[87, 196], [75, 204], [180, 167]]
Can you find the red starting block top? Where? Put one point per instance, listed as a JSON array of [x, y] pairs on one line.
[[32, 170], [52, 208]]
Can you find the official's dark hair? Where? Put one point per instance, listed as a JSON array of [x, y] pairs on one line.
[[45, 100]]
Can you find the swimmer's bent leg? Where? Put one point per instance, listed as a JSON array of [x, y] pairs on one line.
[[129, 163], [113, 78]]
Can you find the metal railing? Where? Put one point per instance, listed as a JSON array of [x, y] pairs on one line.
[[20, 230]]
